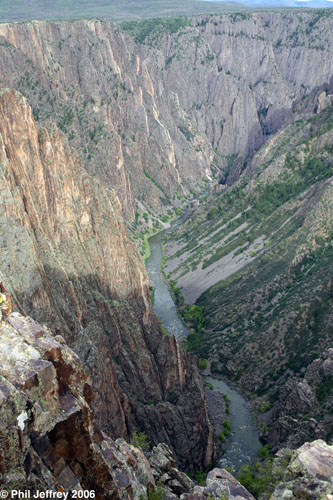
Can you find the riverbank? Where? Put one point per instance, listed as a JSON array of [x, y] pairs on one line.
[[164, 305], [244, 443], [233, 420]]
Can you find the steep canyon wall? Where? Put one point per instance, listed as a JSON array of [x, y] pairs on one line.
[[67, 259], [108, 120], [152, 116]]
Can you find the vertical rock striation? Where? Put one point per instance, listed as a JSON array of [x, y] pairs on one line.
[[156, 115], [66, 258]]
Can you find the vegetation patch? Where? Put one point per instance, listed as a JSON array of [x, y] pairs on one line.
[[154, 29]]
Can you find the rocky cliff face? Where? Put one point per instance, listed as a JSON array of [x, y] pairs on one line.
[[49, 438], [303, 410], [66, 258], [257, 258], [95, 83], [156, 117]]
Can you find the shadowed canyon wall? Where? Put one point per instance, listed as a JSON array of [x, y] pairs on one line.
[[66, 257]]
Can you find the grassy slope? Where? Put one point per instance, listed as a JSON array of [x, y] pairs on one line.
[[117, 10], [273, 317]]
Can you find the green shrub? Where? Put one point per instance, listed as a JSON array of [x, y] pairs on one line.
[[222, 437], [265, 406], [264, 451], [154, 182], [203, 363], [325, 389], [154, 28], [164, 331], [257, 479], [152, 293], [140, 440], [227, 427], [186, 132], [157, 494], [200, 477], [194, 315]]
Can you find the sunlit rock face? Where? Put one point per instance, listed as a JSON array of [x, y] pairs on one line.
[[309, 473], [156, 118], [67, 259]]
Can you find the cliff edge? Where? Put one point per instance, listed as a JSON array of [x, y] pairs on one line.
[[68, 262]]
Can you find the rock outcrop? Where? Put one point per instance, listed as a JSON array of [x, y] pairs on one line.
[[66, 258], [305, 407], [50, 441], [309, 474], [47, 433], [220, 484]]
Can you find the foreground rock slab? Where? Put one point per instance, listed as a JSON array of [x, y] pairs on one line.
[[48, 436], [309, 474]]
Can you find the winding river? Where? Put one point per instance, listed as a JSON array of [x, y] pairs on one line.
[[244, 443]]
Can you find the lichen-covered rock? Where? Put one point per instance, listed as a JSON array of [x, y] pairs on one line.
[[5, 302], [48, 435], [164, 469], [47, 432], [220, 484], [161, 459], [309, 474]]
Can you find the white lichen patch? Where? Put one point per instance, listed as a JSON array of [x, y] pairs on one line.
[[14, 351], [21, 419]]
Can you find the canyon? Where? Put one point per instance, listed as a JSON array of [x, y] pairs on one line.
[[50, 439], [153, 119], [67, 259], [107, 133], [259, 265]]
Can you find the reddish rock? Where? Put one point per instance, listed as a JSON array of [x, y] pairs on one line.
[[69, 263]]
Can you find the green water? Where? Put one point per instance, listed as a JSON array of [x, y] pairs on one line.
[[244, 443]]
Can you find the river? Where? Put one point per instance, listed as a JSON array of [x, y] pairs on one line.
[[244, 443], [164, 305]]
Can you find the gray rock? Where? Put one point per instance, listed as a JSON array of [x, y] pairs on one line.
[[309, 474], [161, 458]]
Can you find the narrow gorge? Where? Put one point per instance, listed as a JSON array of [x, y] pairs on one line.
[[109, 133], [244, 443]]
